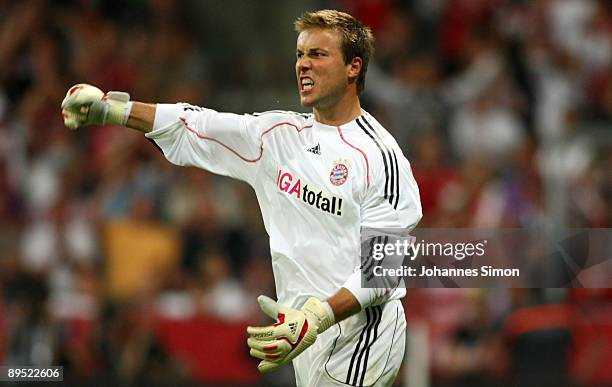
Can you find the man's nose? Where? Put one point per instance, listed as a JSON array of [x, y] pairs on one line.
[[303, 63]]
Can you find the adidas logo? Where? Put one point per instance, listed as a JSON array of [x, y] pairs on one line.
[[315, 149]]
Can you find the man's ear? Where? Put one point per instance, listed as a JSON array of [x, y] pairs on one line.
[[354, 68]]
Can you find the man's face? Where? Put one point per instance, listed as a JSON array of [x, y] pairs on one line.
[[322, 75]]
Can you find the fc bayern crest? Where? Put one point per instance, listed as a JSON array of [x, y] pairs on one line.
[[339, 174]]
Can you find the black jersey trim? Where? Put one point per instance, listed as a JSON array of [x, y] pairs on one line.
[[395, 192], [366, 327], [358, 371], [367, 353], [388, 167]]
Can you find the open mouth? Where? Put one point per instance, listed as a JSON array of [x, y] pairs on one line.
[[306, 84]]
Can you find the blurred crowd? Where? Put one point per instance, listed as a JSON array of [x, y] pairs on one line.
[[109, 254]]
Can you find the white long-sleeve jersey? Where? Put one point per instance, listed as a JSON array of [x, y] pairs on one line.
[[317, 186]]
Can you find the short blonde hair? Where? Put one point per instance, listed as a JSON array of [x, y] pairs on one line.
[[357, 39]]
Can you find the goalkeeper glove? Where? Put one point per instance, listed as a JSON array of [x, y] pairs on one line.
[[294, 331], [87, 105]]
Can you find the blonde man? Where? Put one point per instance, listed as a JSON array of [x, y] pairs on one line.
[[319, 178]]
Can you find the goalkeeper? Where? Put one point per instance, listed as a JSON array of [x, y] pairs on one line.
[[319, 179]]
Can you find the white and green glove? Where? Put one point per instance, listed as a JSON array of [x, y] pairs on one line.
[[294, 331], [87, 105]]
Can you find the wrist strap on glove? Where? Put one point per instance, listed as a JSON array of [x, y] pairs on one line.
[[321, 311], [119, 108]]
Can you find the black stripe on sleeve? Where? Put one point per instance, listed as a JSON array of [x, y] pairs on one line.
[[397, 181], [378, 262], [383, 156], [367, 354], [384, 244], [365, 328], [394, 197], [370, 259]]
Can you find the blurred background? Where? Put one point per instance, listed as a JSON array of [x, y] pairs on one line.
[[129, 271]]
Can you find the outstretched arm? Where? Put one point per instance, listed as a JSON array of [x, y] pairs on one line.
[[223, 143]]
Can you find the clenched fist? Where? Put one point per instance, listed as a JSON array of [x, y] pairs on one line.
[[87, 105]]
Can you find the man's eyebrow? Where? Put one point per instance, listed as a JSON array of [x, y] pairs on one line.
[[311, 50]]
